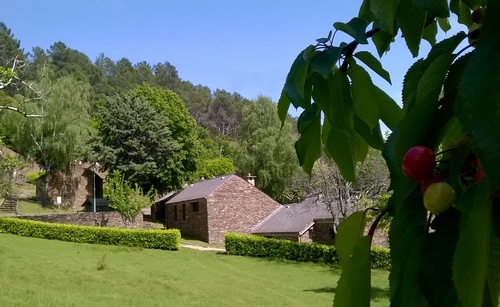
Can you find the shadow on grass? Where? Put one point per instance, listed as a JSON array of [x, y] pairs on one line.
[[375, 292]]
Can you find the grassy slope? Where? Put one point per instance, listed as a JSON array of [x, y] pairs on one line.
[[36, 272]]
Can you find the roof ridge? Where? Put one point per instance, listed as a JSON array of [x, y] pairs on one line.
[[268, 217]]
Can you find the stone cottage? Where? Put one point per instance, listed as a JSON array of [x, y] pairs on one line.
[[308, 222], [209, 208]]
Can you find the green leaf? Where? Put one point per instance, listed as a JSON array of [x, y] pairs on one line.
[[415, 124], [438, 8], [493, 276], [344, 148], [406, 237], [325, 61], [464, 14], [481, 111], [374, 64], [430, 33], [410, 83], [411, 20], [343, 143], [373, 137], [296, 79], [470, 266], [325, 39], [308, 146], [390, 113], [382, 41], [364, 11], [356, 28], [348, 234], [365, 107], [430, 85], [437, 260], [283, 106], [357, 271], [385, 12], [444, 24]]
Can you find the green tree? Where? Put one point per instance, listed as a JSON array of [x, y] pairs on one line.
[[124, 198], [134, 140], [451, 102], [10, 48], [214, 167], [266, 150], [176, 117], [57, 137]]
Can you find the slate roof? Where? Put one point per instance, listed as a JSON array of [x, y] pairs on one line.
[[292, 218], [199, 189]]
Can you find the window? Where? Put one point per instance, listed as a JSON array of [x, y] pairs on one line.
[[195, 206], [184, 212], [176, 217]]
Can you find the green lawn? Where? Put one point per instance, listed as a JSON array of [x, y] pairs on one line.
[[37, 272]]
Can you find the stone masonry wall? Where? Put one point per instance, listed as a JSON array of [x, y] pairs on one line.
[[236, 206], [109, 219], [74, 186], [194, 225], [321, 233]]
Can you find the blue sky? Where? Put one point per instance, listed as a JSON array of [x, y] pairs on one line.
[[240, 46]]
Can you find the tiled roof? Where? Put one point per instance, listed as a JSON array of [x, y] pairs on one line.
[[199, 189], [292, 218]]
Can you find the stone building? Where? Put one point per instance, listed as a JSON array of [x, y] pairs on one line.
[[302, 222], [207, 209], [74, 186]]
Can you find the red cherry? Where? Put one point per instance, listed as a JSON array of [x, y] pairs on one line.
[[419, 163], [480, 174], [477, 15], [424, 184]]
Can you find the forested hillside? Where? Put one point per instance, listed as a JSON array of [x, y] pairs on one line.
[[145, 121]]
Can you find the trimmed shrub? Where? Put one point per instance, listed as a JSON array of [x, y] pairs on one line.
[[32, 176], [159, 239], [256, 246]]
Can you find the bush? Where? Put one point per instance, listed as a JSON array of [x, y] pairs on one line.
[[159, 239], [256, 246], [32, 176]]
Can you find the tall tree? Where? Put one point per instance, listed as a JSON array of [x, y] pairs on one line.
[[10, 48], [57, 137], [176, 117], [266, 149], [134, 140], [225, 112]]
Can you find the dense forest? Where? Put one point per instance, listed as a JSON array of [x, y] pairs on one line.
[[156, 129]]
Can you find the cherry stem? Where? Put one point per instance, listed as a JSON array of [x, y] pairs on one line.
[[447, 150], [428, 223], [375, 223]]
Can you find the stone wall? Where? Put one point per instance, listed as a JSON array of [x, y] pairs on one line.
[[109, 219], [236, 206], [193, 224], [322, 233]]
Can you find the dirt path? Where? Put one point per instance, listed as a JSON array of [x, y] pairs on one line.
[[201, 248]]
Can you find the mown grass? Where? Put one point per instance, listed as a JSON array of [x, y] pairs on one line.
[[37, 272]]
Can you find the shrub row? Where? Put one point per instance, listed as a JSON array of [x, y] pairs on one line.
[[160, 239], [256, 246]]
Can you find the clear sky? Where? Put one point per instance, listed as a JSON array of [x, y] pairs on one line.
[[240, 46]]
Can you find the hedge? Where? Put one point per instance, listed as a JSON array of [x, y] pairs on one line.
[[159, 239], [256, 246]]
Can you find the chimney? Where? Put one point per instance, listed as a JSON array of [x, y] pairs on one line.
[[251, 179]]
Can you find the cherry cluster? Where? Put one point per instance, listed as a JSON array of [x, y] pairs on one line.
[[476, 17], [419, 163]]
